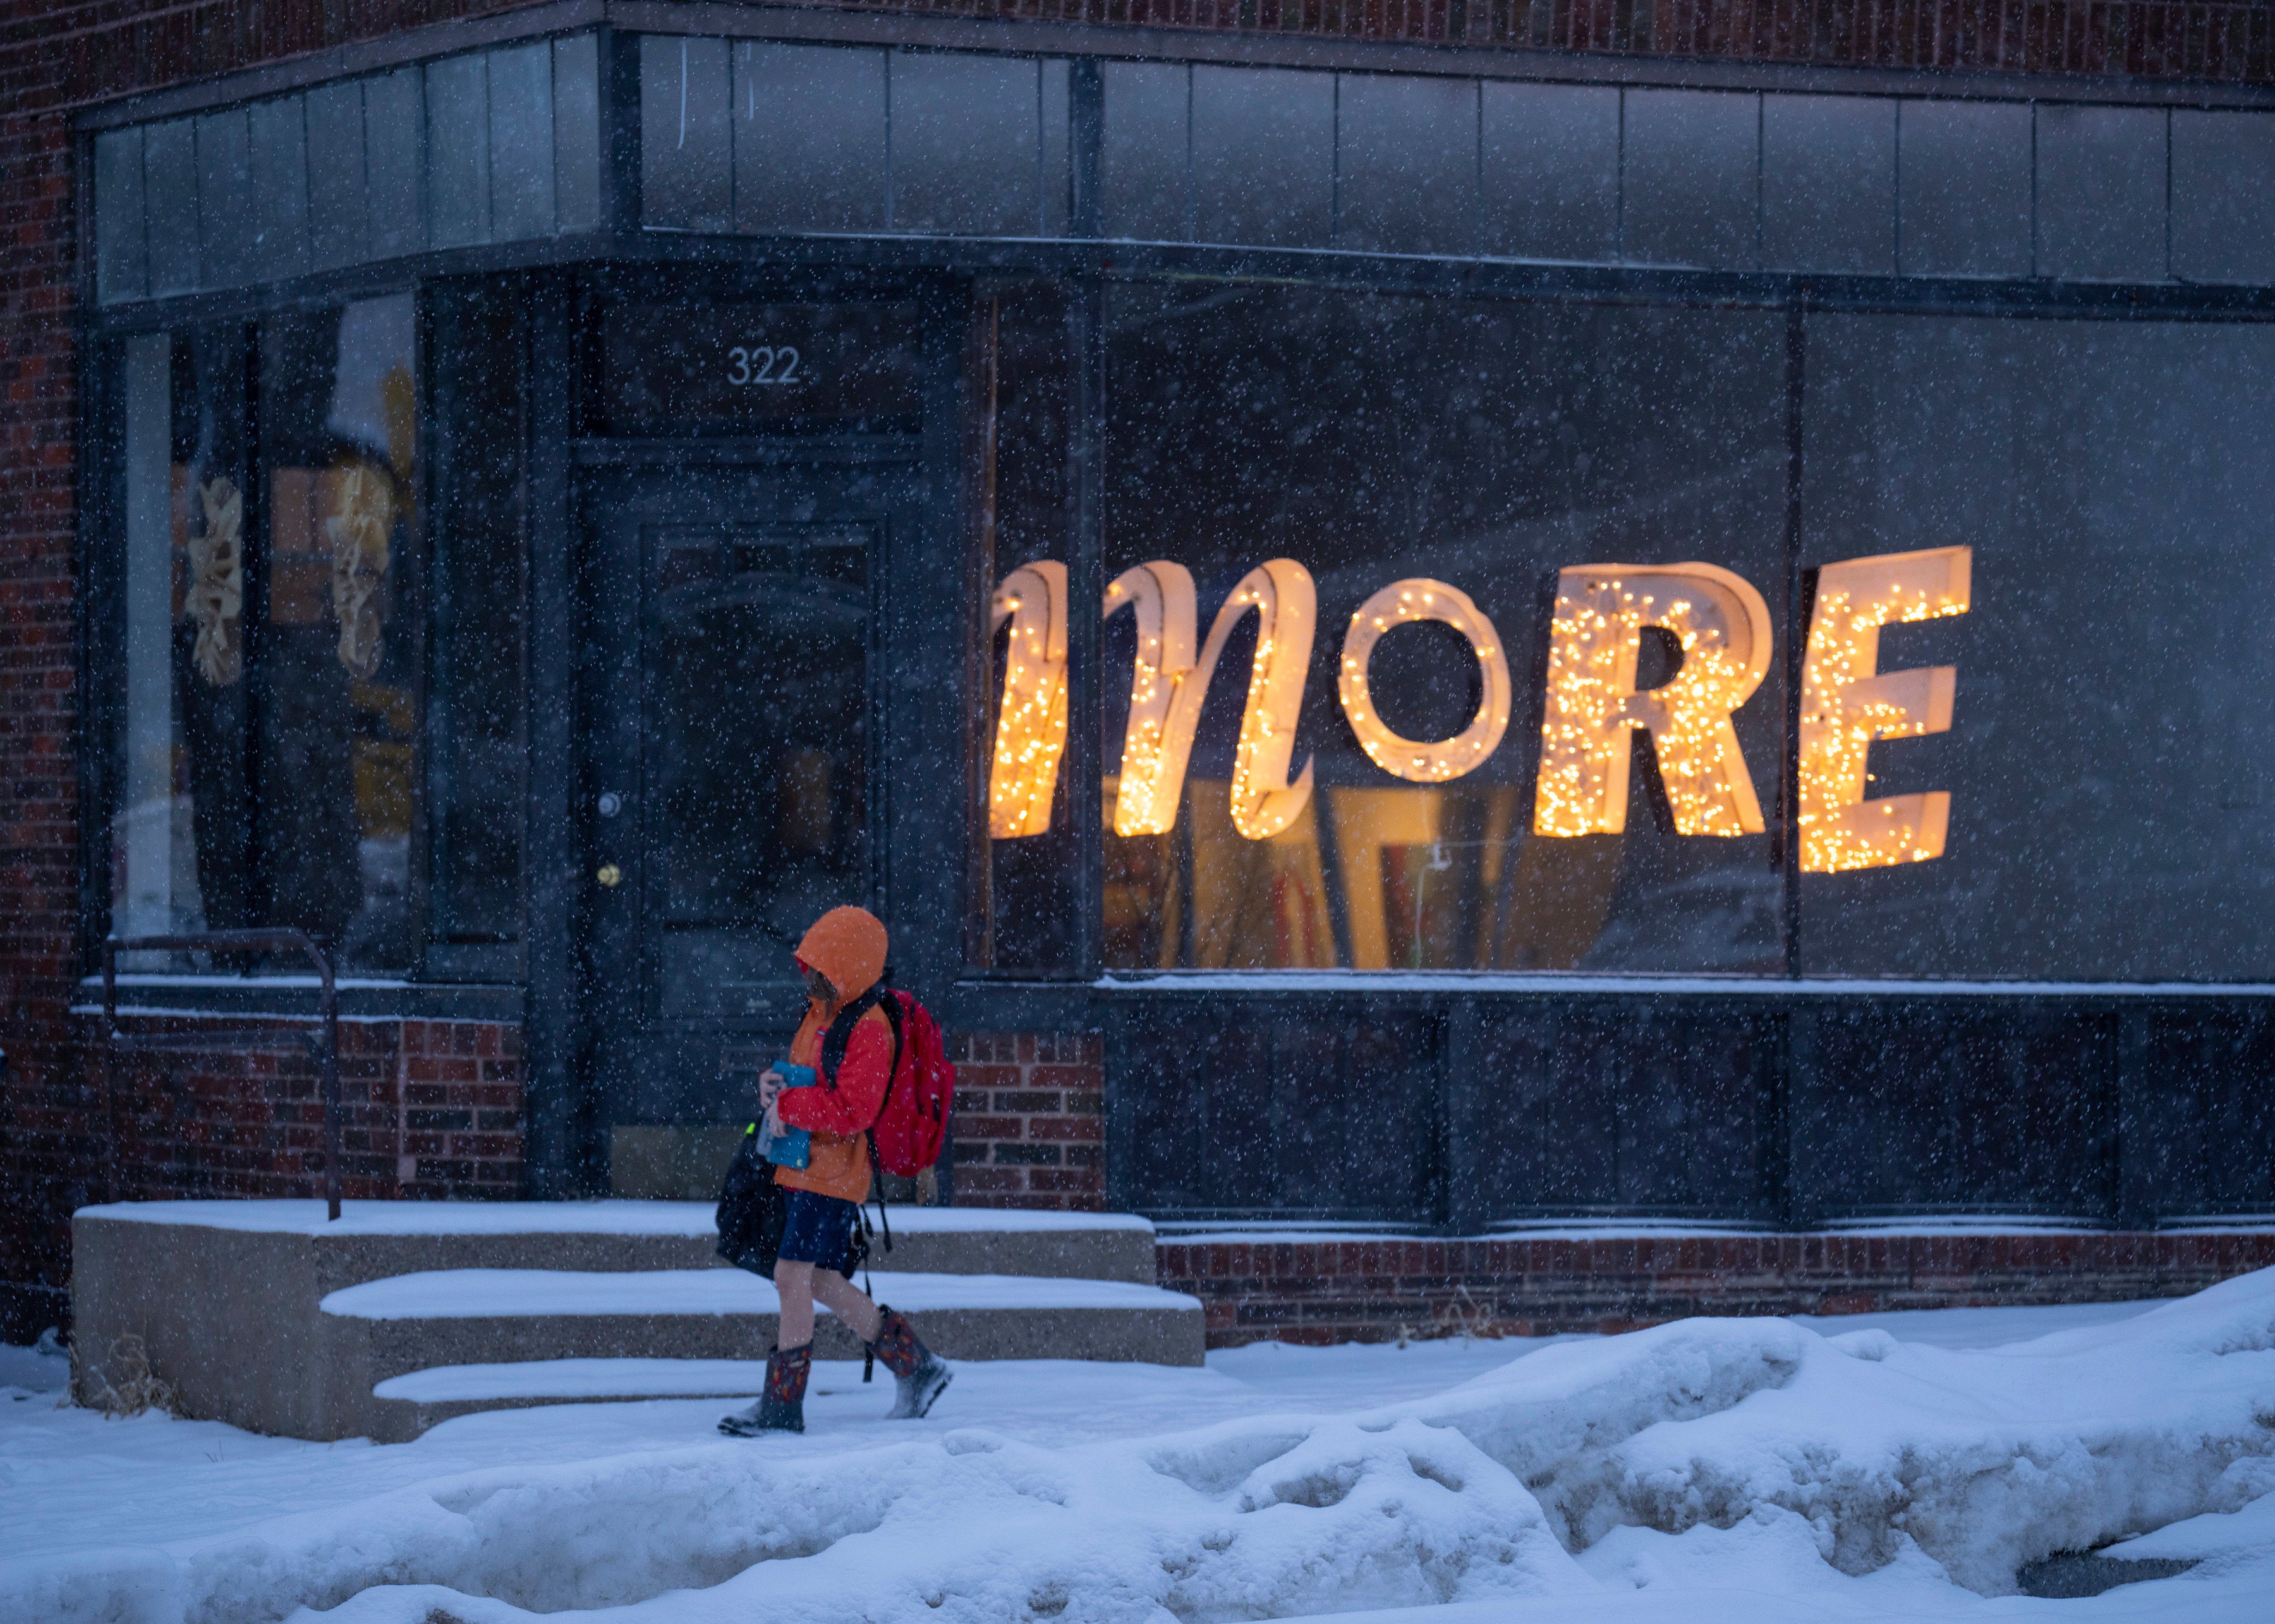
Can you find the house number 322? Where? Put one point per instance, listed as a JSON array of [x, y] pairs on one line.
[[762, 364]]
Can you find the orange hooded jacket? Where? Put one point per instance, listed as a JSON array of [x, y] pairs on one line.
[[847, 946]]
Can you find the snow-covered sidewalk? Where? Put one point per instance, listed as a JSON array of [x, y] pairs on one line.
[[1753, 1472]]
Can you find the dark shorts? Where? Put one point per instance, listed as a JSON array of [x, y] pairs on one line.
[[818, 1230]]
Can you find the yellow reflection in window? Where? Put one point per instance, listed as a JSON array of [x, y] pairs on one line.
[[1258, 903], [1373, 827], [1143, 894], [1420, 599], [1031, 725], [1723, 628], [1847, 702]]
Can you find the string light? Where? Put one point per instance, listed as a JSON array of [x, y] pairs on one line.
[[1165, 698], [1718, 619], [1420, 598], [1264, 800], [1154, 750], [1595, 639], [1030, 723], [1847, 702]]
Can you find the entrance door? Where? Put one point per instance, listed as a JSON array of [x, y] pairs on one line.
[[730, 785]]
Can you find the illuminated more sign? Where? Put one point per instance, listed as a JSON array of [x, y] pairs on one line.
[[1589, 708]]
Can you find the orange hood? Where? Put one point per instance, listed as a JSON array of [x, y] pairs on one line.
[[847, 946]]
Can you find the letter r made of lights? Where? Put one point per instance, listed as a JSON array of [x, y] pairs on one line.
[[1595, 639], [1590, 709]]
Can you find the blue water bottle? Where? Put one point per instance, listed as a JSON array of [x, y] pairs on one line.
[[793, 1146]]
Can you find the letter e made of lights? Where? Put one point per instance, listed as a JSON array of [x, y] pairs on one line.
[[1847, 701]]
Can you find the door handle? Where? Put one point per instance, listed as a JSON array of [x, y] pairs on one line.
[[610, 875]]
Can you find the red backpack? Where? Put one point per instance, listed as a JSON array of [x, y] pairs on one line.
[[911, 1125]]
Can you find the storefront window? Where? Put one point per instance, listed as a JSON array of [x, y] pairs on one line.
[[1448, 635], [1293, 453], [1019, 379], [179, 861], [2108, 767], [270, 699], [476, 744], [336, 658]]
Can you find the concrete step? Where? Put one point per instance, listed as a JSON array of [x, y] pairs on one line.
[[426, 1398], [387, 1331]]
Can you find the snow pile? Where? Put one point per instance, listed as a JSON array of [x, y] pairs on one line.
[[1986, 1460], [974, 1527], [44, 1367], [1855, 1453], [1232, 1522]]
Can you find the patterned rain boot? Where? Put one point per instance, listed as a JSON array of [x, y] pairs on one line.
[[919, 1374], [783, 1407]]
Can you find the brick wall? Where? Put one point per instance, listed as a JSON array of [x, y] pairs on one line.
[[428, 1109], [105, 50], [2161, 39], [42, 1096], [1374, 1290], [1030, 1123]]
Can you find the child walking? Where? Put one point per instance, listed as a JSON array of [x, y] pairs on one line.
[[841, 958]]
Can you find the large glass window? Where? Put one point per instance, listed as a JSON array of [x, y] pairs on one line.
[[1449, 634], [475, 712], [271, 685], [178, 835], [1292, 453], [2109, 768], [1019, 380], [336, 658]]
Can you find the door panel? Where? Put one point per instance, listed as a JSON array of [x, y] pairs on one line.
[[757, 746], [731, 697]]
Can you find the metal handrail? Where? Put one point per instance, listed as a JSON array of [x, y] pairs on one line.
[[325, 1039]]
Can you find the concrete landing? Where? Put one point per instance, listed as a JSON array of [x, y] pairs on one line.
[[376, 1238]]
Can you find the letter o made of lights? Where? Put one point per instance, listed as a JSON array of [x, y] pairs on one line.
[[1413, 759]]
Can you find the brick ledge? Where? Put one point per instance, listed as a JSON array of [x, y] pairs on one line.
[[1373, 1290]]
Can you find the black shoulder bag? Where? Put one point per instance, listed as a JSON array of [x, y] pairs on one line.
[[753, 1210]]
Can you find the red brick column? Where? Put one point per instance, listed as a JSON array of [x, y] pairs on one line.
[[1029, 1129], [459, 1108], [42, 1091]]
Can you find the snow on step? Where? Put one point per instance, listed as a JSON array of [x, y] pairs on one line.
[[577, 1379], [488, 1294]]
